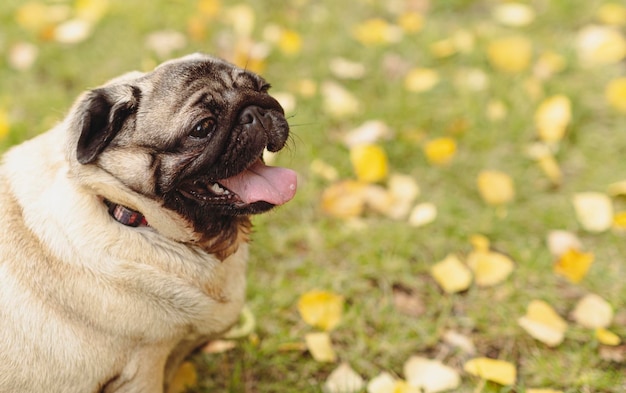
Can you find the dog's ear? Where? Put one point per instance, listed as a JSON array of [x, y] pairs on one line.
[[101, 115]]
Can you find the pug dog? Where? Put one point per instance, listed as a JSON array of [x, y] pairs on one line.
[[124, 230]]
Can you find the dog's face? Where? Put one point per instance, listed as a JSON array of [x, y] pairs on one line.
[[189, 134]]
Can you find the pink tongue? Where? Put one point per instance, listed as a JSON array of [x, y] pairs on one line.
[[263, 183]]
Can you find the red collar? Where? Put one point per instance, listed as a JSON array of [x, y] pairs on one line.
[[126, 216]]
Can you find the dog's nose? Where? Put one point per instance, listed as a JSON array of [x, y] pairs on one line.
[[254, 114], [258, 119]]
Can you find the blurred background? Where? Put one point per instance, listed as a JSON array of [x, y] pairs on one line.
[[421, 130]]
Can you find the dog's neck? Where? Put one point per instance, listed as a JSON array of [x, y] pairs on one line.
[[125, 215]]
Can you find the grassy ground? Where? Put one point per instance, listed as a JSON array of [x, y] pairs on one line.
[[297, 248]]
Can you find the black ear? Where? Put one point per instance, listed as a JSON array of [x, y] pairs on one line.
[[101, 115]]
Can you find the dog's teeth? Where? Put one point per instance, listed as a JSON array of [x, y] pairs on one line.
[[218, 190]]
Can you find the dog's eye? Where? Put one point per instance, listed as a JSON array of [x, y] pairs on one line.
[[203, 129]]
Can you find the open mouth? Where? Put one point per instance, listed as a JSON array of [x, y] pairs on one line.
[[257, 183]]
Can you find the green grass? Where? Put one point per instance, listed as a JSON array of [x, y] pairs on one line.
[[297, 248]]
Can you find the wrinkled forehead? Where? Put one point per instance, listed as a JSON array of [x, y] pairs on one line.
[[188, 70]]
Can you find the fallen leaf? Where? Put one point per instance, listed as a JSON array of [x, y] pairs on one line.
[[165, 42], [440, 151], [489, 267], [23, 55], [495, 187], [607, 337], [321, 309], [543, 391], [407, 302], [593, 312], [369, 162], [451, 274], [460, 341], [5, 125], [617, 189], [344, 380], [345, 199], [615, 354], [382, 383], [320, 347], [594, 211], [73, 31], [423, 214], [378, 198], [498, 371], [185, 377], [323, 170], [613, 14], [244, 327], [543, 323], [346, 69], [561, 241], [615, 94], [411, 22], [290, 42], [430, 376], [403, 188], [443, 48], [91, 10], [473, 79], [600, 45], [496, 110], [548, 64], [376, 31], [338, 101], [510, 54], [242, 18], [370, 132], [209, 8], [543, 154], [514, 14], [573, 264], [552, 118], [619, 220], [219, 346], [419, 80]]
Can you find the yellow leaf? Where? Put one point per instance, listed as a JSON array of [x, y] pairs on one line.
[[543, 323], [495, 187], [440, 151], [615, 94], [594, 211], [370, 132], [242, 17], [369, 162], [489, 267], [344, 380], [514, 14], [545, 158], [612, 14], [430, 375], [338, 101], [552, 118], [443, 48], [560, 241], [244, 327], [91, 10], [510, 54], [345, 199], [617, 189], [619, 221], [498, 371], [346, 69], [290, 42], [600, 45], [320, 347], [423, 214], [376, 31], [421, 79], [480, 242], [607, 337], [382, 383], [451, 274], [574, 265], [321, 309], [4, 124], [185, 377], [543, 391], [411, 22], [593, 312], [209, 8], [548, 64]]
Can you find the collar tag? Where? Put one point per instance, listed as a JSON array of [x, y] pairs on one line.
[[126, 216]]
